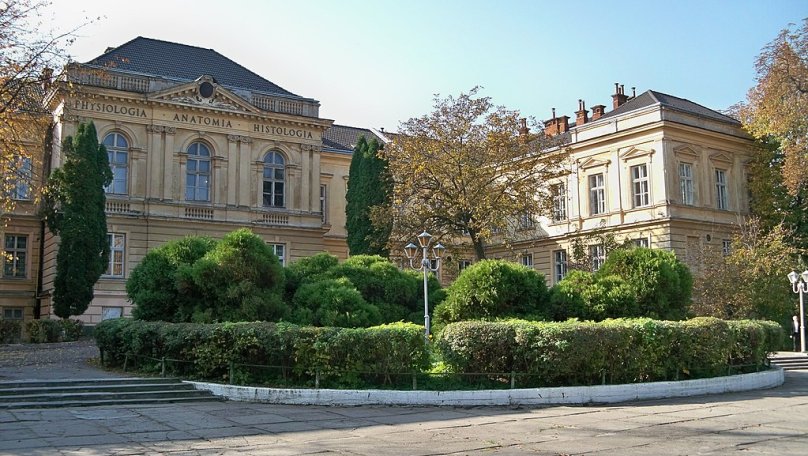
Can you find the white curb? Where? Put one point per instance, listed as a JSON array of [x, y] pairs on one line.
[[600, 394]]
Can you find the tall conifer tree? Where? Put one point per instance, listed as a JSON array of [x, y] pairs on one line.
[[74, 203], [369, 186]]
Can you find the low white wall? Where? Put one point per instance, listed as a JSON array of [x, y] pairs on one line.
[[600, 394]]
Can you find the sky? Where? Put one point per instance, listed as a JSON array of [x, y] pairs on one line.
[[376, 63]]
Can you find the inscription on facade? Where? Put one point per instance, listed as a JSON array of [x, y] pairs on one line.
[[109, 108], [202, 120], [281, 131]]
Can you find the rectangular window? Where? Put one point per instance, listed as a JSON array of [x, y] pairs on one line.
[[686, 183], [527, 260], [108, 313], [641, 242], [559, 265], [597, 194], [12, 313], [639, 185], [726, 246], [280, 251], [462, 265], [16, 252], [324, 202], [559, 194], [117, 248], [21, 180], [598, 255], [721, 200], [525, 221]]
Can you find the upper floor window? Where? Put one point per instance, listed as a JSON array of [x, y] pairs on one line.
[[598, 255], [597, 194], [641, 242], [721, 200], [19, 180], [559, 265], [525, 220], [118, 154], [274, 179], [197, 174], [726, 246], [686, 183], [559, 194], [117, 250], [16, 250], [639, 185]]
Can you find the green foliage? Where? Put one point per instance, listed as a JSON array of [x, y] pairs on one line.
[[369, 186], [307, 269], [492, 289], [10, 331], [240, 279], [152, 286], [661, 283], [333, 302], [73, 206], [71, 329], [339, 355], [613, 351], [588, 296], [43, 331]]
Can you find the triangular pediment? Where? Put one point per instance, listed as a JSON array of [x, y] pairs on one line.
[[204, 93], [593, 163], [721, 157], [634, 152], [686, 151]]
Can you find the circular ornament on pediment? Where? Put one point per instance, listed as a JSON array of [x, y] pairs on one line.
[[206, 89]]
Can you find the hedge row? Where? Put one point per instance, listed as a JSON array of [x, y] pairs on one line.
[[298, 354], [613, 351]]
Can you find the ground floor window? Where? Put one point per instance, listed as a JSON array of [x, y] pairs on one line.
[[16, 251], [117, 248], [559, 265], [12, 313], [527, 260], [108, 313], [280, 251], [598, 255]]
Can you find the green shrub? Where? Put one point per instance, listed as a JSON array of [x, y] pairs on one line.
[[10, 331], [333, 302], [309, 269], [44, 331], [71, 329], [613, 351], [662, 284], [493, 289], [152, 286], [588, 296]]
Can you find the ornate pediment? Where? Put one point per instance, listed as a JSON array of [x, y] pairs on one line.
[[721, 157], [634, 152], [204, 93], [686, 151], [593, 163]]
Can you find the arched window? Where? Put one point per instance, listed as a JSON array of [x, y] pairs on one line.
[[118, 153], [274, 176], [197, 175]]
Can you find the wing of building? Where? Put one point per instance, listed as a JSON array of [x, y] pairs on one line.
[[200, 145]]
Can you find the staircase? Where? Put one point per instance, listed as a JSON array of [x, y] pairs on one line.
[[790, 360], [90, 392]]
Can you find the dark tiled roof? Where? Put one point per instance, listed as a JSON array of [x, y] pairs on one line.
[[179, 61], [345, 138], [650, 98]]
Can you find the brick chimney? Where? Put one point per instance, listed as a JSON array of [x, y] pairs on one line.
[[598, 111], [523, 130], [619, 96], [46, 78], [556, 125], [581, 115]]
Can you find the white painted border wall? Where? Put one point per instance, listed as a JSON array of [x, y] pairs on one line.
[[599, 394]]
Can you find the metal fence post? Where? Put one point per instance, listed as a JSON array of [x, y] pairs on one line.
[[232, 372], [163, 367], [513, 380], [125, 361], [317, 379], [414, 381]]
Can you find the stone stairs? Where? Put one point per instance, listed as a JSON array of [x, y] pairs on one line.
[[100, 391], [790, 360]]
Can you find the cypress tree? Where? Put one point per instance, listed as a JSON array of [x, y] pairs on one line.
[[369, 186], [74, 203]]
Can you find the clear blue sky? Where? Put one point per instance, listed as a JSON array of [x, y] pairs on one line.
[[377, 63]]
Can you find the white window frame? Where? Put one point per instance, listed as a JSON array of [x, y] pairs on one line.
[[280, 251], [726, 246], [23, 174], [109, 313], [642, 242], [686, 186], [598, 255], [273, 181], [118, 157], [526, 260], [117, 255], [202, 178], [640, 191], [597, 194], [721, 197], [15, 258], [559, 195], [560, 265]]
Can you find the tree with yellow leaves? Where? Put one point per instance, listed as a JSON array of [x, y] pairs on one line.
[[471, 173], [777, 106]]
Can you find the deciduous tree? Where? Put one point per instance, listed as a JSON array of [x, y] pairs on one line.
[[74, 204], [469, 167]]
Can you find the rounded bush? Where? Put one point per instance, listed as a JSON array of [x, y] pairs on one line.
[[333, 302]]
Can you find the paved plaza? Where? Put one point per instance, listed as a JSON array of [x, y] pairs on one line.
[[759, 422]]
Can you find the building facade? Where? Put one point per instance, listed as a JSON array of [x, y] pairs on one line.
[[199, 145]]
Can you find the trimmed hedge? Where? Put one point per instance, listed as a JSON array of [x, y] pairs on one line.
[[298, 354], [49, 331], [613, 351]]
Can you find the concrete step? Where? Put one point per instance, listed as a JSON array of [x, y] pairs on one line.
[[797, 361], [89, 392]]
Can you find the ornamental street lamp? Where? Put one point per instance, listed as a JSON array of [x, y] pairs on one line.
[[411, 250], [799, 284]]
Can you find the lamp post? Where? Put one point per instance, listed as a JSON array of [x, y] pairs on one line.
[[799, 284], [411, 250]]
